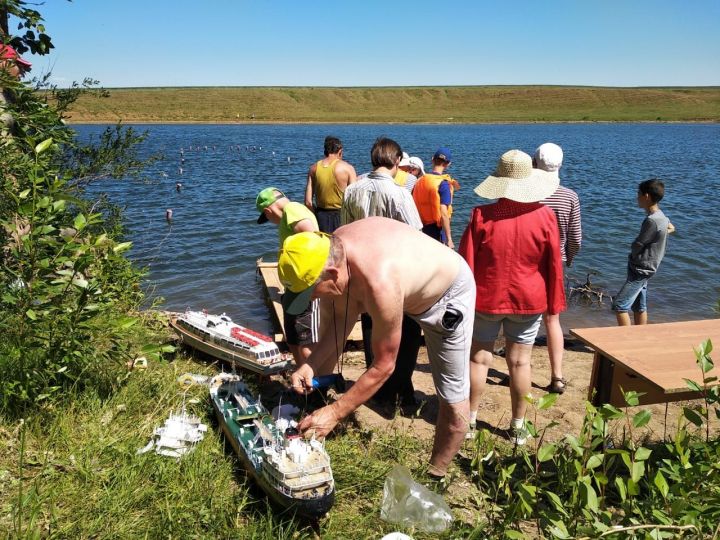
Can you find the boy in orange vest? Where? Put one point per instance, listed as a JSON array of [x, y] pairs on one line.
[[433, 194]]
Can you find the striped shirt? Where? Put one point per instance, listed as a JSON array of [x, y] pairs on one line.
[[377, 195], [566, 205]]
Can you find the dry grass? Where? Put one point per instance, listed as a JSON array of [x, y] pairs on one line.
[[472, 104]]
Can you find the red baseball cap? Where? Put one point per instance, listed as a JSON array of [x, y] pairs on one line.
[[9, 53]]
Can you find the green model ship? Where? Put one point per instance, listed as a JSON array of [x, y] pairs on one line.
[[295, 473]]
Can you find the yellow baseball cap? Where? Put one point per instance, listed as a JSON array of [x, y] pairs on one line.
[[301, 261]]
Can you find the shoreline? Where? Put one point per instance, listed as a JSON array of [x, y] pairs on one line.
[[352, 123]]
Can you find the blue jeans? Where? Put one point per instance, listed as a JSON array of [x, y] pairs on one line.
[[632, 295]]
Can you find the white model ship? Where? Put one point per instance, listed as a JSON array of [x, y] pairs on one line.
[[180, 433], [220, 337], [295, 473]]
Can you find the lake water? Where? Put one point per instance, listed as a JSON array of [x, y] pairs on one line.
[[206, 257]]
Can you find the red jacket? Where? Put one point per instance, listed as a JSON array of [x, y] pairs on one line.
[[513, 250]]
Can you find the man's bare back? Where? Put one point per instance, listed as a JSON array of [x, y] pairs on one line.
[[406, 262]]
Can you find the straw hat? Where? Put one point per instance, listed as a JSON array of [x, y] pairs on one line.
[[515, 179]]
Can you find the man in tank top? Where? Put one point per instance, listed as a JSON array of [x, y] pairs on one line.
[[326, 183]]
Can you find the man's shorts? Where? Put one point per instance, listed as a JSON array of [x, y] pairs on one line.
[[447, 326], [328, 219], [632, 295], [521, 329], [303, 329]]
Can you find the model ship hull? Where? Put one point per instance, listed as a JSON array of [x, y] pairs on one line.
[[310, 495], [222, 348]]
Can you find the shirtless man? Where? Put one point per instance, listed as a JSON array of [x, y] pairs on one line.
[[326, 183], [386, 269]]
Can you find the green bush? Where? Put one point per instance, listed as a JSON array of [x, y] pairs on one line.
[[591, 484], [67, 287]]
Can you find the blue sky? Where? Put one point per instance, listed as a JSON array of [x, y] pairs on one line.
[[383, 43]]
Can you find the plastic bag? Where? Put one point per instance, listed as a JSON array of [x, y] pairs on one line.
[[412, 504]]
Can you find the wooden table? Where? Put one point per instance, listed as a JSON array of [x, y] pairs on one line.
[[654, 359]]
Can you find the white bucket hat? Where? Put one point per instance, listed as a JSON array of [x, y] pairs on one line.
[[405, 161], [549, 157], [515, 179], [417, 163]]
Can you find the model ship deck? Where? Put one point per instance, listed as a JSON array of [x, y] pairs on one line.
[[293, 472], [219, 337]]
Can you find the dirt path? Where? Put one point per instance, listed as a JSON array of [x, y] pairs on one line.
[[494, 412]]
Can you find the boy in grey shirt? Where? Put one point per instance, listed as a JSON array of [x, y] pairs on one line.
[[646, 253]]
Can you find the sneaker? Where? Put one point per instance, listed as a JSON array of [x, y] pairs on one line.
[[410, 408], [472, 430], [437, 484], [519, 435]]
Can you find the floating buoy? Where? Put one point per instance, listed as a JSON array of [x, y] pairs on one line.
[[180, 170], [168, 214]]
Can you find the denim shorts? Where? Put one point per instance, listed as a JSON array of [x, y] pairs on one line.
[[516, 328], [632, 295]]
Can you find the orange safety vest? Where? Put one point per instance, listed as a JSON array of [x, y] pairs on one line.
[[427, 198], [401, 177]]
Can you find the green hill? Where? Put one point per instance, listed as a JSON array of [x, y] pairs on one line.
[[464, 104]]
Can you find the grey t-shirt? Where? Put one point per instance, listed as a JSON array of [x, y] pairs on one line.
[[648, 249]]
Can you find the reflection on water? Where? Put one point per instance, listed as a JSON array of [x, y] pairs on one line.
[[205, 256]]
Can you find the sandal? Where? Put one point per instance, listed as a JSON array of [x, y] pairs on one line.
[[557, 385]]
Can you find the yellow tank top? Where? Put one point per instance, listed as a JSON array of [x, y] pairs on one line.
[[401, 177], [327, 192]]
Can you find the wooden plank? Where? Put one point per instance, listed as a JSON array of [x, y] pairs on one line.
[[659, 353], [274, 289]]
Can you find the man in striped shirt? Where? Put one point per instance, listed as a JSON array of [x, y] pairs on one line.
[[377, 194], [566, 205]]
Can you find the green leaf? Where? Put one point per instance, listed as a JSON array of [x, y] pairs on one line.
[[661, 484], [706, 364], [79, 222], [546, 452], [620, 485], [31, 315], [126, 322], [514, 535], [595, 461], [638, 470], [610, 412], [24, 193], [642, 453], [81, 282], [556, 502], [547, 401], [641, 418], [589, 496], [123, 246], [40, 148], [632, 487], [692, 416], [632, 398], [705, 348], [692, 385]]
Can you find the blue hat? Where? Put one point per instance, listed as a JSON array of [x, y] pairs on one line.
[[443, 153]]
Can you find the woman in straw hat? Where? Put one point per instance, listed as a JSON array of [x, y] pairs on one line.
[[513, 249]]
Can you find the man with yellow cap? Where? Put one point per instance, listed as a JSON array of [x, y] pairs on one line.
[[387, 269]]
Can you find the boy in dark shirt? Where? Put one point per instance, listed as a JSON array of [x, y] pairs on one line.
[[646, 253]]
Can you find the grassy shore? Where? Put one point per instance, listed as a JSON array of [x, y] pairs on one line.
[[458, 104]]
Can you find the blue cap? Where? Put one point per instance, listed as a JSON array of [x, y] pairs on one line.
[[443, 153]]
